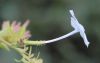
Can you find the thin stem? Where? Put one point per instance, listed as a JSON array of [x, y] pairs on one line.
[[49, 41], [62, 37]]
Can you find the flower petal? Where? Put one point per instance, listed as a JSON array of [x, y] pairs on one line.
[[5, 25], [27, 34], [16, 26], [26, 23]]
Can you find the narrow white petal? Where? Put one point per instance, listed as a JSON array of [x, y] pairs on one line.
[[71, 12], [74, 24], [83, 35]]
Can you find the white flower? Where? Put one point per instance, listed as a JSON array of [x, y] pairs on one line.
[[78, 27]]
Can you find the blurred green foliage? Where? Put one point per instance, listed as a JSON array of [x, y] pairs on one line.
[[50, 19]]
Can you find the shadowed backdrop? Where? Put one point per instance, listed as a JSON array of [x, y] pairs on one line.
[[50, 19]]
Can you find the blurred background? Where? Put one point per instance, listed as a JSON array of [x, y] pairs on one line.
[[51, 19]]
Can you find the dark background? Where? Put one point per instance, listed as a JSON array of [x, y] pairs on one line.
[[51, 19]]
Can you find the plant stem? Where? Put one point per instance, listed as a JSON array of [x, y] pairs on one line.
[[50, 41], [62, 37]]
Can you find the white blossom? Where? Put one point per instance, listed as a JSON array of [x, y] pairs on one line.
[[77, 28]]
